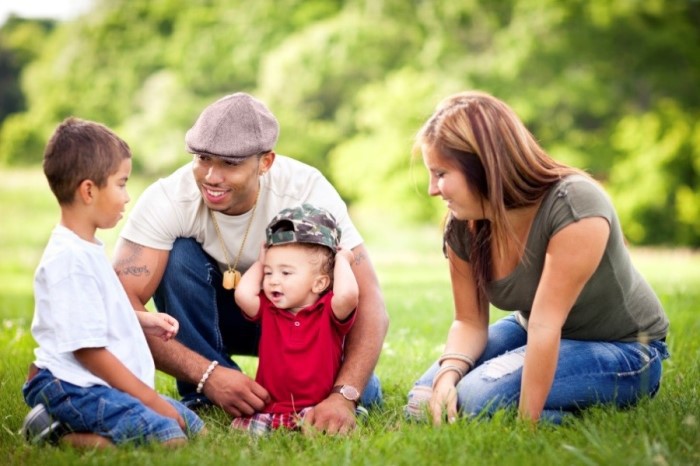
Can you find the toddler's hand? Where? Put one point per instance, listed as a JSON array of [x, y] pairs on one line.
[[158, 324], [346, 254], [261, 253]]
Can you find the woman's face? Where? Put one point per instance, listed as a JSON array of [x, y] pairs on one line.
[[448, 182]]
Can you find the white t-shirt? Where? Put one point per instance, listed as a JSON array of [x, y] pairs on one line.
[[173, 208], [80, 303]]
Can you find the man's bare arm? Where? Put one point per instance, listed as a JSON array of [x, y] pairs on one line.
[[140, 270], [366, 338], [336, 415]]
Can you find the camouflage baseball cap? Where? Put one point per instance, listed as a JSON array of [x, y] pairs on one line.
[[303, 224]]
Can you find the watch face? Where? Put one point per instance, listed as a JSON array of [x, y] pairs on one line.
[[350, 393]]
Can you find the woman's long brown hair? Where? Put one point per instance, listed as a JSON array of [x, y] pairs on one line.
[[501, 161]]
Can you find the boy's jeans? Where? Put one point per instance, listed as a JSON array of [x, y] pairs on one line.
[[588, 373], [107, 411], [211, 323]]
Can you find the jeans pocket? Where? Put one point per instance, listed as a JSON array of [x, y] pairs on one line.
[[661, 347], [59, 398], [641, 374], [637, 358]]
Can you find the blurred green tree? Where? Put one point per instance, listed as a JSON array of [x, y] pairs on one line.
[[655, 185], [21, 40], [312, 78], [609, 86]]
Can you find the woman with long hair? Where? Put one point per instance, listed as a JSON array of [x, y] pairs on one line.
[[531, 235]]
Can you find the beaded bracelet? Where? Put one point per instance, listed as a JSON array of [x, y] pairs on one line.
[[205, 376], [458, 356], [445, 369]]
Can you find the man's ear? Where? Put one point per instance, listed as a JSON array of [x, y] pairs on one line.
[[321, 283], [86, 191], [266, 162]]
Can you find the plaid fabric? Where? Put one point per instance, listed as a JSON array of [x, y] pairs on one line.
[[262, 423]]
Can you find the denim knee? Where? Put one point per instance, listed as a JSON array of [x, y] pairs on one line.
[[493, 385], [372, 394]]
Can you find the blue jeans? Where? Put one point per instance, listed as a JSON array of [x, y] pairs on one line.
[[211, 323], [588, 373], [107, 411]]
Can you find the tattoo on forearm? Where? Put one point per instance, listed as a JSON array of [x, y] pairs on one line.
[[126, 265], [139, 271], [358, 258]]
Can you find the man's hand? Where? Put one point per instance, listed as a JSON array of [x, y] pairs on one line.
[[235, 392], [158, 324], [334, 415]]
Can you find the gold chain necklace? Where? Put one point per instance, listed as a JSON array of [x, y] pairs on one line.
[[231, 275]]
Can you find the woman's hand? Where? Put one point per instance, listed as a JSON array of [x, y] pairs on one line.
[[443, 403]]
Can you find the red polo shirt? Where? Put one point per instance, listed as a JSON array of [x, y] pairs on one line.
[[300, 354]]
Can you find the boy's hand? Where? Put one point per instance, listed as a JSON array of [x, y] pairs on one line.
[[162, 407], [158, 324]]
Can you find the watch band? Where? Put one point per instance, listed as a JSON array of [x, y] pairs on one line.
[[348, 392]]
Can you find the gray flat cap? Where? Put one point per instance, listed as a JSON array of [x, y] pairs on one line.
[[233, 127]]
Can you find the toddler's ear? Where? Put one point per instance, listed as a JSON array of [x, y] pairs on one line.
[[321, 283]]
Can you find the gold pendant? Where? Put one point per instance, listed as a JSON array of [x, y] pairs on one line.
[[231, 279]]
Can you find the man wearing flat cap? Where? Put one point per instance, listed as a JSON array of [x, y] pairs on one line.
[[191, 235]]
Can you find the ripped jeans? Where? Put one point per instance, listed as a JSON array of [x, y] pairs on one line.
[[588, 373]]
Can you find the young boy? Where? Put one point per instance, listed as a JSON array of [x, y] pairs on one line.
[[92, 380], [304, 321]]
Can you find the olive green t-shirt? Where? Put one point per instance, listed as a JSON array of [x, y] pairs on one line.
[[617, 304]]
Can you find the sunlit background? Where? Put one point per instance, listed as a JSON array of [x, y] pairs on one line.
[[55, 9], [606, 85]]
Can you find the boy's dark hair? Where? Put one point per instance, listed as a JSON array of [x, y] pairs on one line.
[[81, 150]]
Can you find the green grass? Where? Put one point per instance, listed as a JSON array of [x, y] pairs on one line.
[[663, 431]]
